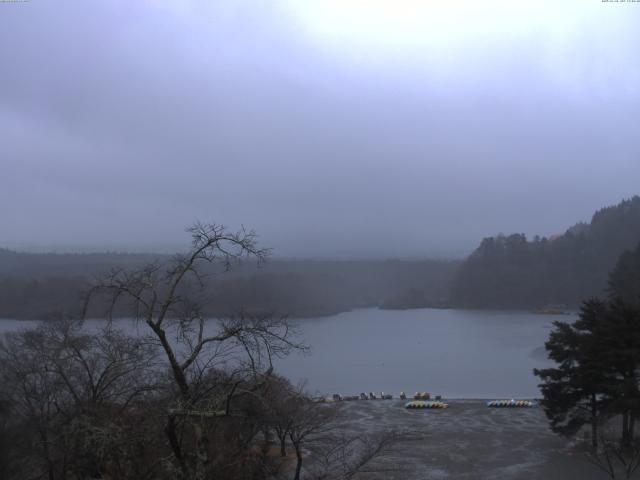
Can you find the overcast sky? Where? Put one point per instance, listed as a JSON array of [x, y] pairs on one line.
[[334, 128]]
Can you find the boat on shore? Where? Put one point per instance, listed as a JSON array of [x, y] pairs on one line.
[[510, 404], [419, 404], [551, 310]]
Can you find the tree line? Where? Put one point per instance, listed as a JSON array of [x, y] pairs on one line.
[[37, 286], [514, 272]]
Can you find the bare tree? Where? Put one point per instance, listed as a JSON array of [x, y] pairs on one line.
[[281, 401], [309, 421], [616, 458], [65, 389], [170, 301], [7, 432], [345, 457]]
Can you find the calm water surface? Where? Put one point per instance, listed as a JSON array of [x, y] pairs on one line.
[[456, 353]]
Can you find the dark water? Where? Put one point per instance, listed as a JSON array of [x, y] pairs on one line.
[[456, 353]]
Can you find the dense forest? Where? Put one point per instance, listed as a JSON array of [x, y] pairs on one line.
[[513, 272], [35, 286]]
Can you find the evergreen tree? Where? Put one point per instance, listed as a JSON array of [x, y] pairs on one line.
[[597, 376], [624, 280], [576, 392], [620, 335]]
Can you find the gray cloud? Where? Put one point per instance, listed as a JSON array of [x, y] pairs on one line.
[[125, 121]]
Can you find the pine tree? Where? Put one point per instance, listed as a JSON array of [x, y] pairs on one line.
[[624, 280], [576, 392], [597, 376]]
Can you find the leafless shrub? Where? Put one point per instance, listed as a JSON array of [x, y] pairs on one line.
[[615, 458]]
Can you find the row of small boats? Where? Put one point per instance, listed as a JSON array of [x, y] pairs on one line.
[[421, 404], [336, 397], [511, 404], [426, 404], [422, 400], [419, 396]]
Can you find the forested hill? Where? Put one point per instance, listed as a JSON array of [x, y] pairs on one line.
[[39, 285], [512, 272]]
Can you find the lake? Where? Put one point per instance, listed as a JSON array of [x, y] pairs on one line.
[[454, 353]]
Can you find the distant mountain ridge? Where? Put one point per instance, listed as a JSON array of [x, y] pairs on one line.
[[512, 272]]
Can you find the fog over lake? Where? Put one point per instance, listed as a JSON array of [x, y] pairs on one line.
[[455, 353]]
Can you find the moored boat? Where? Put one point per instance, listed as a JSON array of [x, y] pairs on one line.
[[418, 404], [510, 404]]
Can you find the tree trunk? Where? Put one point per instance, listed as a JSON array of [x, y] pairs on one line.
[[170, 431], [266, 445], [299, 463], [202, 452], [594, 433], [283, 446], [594, 422], [178, 373], [625, 428], [50, 465]]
